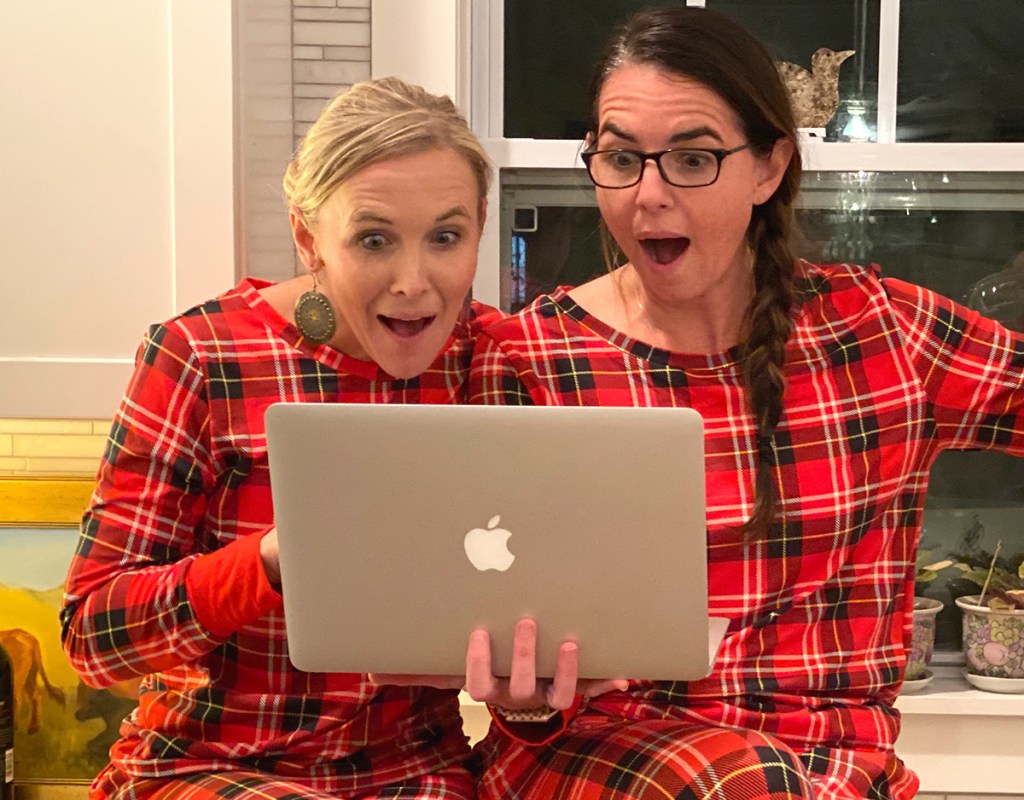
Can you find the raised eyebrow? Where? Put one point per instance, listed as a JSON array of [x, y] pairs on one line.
[[695, 133], [615, 130], [454, 211], [369, 216], [675, 138]]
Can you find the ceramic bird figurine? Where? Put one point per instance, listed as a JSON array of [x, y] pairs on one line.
[[814, 94]]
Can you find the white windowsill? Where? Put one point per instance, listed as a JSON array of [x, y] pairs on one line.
[[950, 693]]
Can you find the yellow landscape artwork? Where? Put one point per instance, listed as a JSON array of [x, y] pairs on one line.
[[63, 729]]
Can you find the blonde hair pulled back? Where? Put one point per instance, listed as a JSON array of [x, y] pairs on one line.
[[371, 122]]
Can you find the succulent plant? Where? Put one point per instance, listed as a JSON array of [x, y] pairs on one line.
[[927, 570], [1001, 579]]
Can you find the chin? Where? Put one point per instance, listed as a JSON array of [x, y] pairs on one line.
[[411, 365], [404, 373]]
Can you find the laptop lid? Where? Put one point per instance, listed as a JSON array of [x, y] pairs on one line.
[[404, 527]]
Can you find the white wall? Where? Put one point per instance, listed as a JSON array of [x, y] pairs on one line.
[[116, 193], [418, 42]]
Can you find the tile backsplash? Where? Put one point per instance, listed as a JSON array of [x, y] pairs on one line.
[[51, 446], [292, 56], [330, 52]]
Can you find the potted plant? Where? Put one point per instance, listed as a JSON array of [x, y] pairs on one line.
[[926, 609], [993, 621]]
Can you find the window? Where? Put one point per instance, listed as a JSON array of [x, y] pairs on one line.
[[948, 216]]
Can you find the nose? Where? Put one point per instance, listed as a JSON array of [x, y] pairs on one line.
[[652, 191], [410, 276]]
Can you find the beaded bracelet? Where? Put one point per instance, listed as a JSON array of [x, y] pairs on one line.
[[541, 713]]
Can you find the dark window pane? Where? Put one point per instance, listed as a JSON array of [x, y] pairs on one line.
[[960, 70], [550, 50], [564, 250], [975, 500]]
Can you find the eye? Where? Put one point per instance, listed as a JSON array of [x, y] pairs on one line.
[[447, 238], [623, 159], [692, 159], [373, 241]]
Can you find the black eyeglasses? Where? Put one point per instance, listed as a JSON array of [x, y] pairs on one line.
[[687, 168]]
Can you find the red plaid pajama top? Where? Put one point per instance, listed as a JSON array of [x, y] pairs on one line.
[[881, 376], [167, 580]]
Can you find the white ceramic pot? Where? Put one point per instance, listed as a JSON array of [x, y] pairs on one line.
[[922, 642], [993, 639]]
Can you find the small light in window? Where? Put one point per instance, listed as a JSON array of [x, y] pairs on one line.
[[857, 128]]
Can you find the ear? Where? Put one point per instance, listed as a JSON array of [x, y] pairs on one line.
[[302, 235], [770, 170]]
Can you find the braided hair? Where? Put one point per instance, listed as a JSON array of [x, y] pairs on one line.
[[715, 50]]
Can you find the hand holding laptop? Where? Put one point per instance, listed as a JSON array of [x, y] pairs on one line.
[[521, 689]]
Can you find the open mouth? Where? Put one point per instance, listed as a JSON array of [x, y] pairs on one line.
[[406, 328], [664, 251]]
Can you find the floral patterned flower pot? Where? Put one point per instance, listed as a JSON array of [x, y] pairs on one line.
[[993, 639], [922, 642]]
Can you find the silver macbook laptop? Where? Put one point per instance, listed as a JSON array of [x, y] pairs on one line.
[[404, 527]]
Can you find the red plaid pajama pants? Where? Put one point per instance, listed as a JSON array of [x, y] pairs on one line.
[[643, 761], [453, 783]]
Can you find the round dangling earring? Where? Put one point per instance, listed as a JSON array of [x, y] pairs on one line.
[[314, 316]]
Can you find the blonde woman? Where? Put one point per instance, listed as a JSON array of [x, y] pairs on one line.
[[176, 574]]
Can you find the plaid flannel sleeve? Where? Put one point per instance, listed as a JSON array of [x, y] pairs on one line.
[[971, 368], [127, 609]]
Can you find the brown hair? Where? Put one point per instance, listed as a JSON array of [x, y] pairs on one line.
[[371, 122], [713, 49]]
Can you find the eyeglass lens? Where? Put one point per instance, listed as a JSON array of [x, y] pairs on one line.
[[680, 167]]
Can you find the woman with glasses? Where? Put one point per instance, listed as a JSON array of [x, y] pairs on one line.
[[826, 393], [176, 579]]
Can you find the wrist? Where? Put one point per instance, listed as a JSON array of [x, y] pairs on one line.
[[269, 559]]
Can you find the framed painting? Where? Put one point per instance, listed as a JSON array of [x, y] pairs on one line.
[[63, 728]]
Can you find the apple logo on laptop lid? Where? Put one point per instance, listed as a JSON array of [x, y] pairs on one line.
[[488, 548]]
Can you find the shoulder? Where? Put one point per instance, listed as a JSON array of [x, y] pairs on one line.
[[218, 313], [482, 316], [850, 291], [208, 331], [836, 293], [206, 326], [543, 318], [839, 281]]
